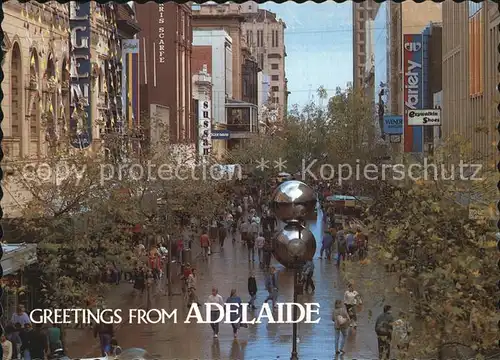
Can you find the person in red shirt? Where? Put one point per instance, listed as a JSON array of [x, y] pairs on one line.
[[204, 243], [180, 247]]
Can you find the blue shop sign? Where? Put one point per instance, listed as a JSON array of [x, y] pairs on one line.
[[393, 125], [220, 135]]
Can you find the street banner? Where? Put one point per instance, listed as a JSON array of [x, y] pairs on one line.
[[413, 89]]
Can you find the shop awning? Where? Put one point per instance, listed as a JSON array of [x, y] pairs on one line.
[[17, 256]]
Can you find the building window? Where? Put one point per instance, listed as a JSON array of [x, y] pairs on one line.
[[276, 100], [275, 77], [260, 38], [275, 66], [261, 61], [183, 21], [275, 41], [34, 106], [16, 92], [275, 88], [476, 49]]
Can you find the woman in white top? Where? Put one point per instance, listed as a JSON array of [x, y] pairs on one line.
[[351, 299]]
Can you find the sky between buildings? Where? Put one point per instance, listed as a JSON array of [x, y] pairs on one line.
[[318, 42]]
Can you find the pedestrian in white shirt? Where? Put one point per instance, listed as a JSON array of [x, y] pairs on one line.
[[6, 348], [259, 244], [351, 299], [215, 298]]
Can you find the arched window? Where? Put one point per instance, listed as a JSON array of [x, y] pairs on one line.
[[16, 91], [34, 105]]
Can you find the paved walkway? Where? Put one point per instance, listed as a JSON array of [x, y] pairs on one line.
[[229, 268]]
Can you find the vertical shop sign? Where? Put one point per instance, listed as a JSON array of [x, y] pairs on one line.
[[161, 34], [413, 89], [80, 68], [205, 142]]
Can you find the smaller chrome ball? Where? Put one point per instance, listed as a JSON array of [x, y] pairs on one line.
[[293, 246]]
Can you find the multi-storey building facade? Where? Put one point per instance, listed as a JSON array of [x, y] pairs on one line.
[[381, 71], [241, 110], [166, 44], [47, 71], [224, 17], [265, 36], [361, 12], [470, 57]]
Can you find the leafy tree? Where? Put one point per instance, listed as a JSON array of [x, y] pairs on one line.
[[81, 207]]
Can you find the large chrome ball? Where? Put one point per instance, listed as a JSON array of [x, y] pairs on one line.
[[294, 245], [293, 200]]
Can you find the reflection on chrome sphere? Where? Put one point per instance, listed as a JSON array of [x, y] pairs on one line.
[[290, 250], [293, 200], [134, 354]]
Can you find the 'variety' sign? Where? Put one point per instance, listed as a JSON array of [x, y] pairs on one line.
[[413, 88]]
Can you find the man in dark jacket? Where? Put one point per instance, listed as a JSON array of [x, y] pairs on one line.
[[105, 333], [252, 290], [383, 329], [34, 342], [341, 246]]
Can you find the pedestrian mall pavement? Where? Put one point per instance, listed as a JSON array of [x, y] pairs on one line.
[[229, 268]]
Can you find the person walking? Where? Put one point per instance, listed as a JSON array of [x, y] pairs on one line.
[[235, 310], [307, 274], [35, 343], [268, 250], [272, 286], [7, 348], [351, 244], [402, 333], [205, 244], [341, 247], [215, 298], [191, 288], [351, 300], [383, 329], [361, 244], [341, 319], [251, 247], [244, 230], [252, 290], [13, 336], [54, 335], [326, 245], [105, 333], [259, 244]]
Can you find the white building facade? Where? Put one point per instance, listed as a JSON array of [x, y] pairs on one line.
[[222, 68]]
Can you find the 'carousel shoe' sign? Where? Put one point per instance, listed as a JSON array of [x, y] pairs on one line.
[[81, 122]]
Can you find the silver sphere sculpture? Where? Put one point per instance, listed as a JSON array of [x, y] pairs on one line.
[[294, 245], [293, 201]]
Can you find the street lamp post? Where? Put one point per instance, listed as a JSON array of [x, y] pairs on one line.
[[293, 202]]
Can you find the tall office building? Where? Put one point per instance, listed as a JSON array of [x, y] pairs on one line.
[[265, 36], [470, 58], [361, 13]]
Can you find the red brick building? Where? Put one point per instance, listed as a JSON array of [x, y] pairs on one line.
[[166, 44], [202, 55]]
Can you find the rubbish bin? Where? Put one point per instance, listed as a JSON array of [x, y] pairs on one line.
[[186, 256]]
